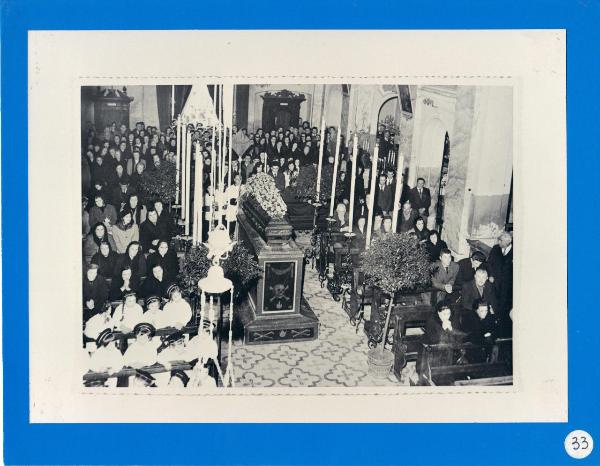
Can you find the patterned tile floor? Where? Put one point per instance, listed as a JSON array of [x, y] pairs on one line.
[[338, 358]]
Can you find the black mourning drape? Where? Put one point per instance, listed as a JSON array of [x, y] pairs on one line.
[[164, 96]]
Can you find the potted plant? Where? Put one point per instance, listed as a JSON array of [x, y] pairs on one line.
[[240, 267], [394, 263]]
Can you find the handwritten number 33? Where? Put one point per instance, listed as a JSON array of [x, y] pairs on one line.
[[578, 443]]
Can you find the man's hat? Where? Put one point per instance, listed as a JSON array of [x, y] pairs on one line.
[[144, 328], [152, 299], [181, 375], [105, 337]]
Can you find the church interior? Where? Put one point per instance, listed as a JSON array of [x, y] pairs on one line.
[[316, 235]]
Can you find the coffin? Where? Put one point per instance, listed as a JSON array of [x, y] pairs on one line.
[[272, 231]]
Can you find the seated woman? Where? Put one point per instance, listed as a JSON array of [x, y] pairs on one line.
[[155, 284], [154, 313], [106, 259], [419, 230], [101, 212], [166, 258], [341, 218], [435, 245], [442, 326], [122, 284], [125, 231], [138, 210], [134, 259], [92, 242]]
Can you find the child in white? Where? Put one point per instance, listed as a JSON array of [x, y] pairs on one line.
[[128, 314], [177, 312]]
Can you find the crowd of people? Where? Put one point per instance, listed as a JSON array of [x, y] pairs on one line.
[[131, 268]]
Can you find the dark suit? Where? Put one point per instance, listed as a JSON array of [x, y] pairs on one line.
[[501, 268], [384, 198], [466, 272], [470, 294], [443, 277], [421, 201]]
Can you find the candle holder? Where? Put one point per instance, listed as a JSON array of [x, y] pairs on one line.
[[340, 283], [313, 253], [214, 285]]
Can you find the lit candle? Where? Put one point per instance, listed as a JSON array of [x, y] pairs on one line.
[[319, 167], [335, 170], [229, 349], [198, 196], [398, 194], [213, 161], [353, 181], [372, 195], [210, 306]]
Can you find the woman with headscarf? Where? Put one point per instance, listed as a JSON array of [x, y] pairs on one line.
[[106, 259], [435, 245], [138, 210], [125, 231], [101, 212], [134, 259], [135, 180], [419, 230], [91, 245], [166, 258], [123, 283]]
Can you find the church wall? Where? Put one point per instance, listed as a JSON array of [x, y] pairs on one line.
[[144, 106], [480, 169]]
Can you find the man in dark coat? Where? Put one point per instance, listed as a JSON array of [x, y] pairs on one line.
[[164, 221], [444, 275], [95, 292], [478, 288], [384, 195], [420, 199], [467, 268], [500, 265]]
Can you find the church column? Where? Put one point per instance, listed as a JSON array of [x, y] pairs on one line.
[[480, 166]]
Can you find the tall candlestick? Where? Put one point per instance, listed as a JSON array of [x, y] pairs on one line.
[[353, 182], [198, 197], [320, 166], [188, 168], [202, 306], [398, 194], [183, 167], [177, 159], [172, 102], [335, 169], [372, 196], [213, 175]]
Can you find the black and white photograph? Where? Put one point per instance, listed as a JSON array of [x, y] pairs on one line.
[[297, 235]]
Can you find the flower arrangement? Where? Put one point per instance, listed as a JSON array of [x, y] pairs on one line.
[[239, 267], [261, 187], [396, 262], [160, 182]]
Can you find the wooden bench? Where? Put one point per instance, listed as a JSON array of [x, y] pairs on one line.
[[407, 347], [444, 364]]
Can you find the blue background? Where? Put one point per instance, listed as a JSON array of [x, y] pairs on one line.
[[305, 444]]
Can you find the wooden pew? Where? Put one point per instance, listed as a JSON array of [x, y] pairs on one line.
[[444, 364], [407, 347]]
